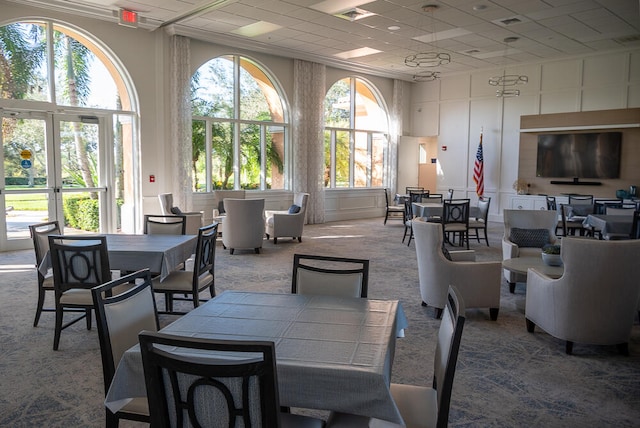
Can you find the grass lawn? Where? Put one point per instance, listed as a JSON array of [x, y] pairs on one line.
[[27, 202]]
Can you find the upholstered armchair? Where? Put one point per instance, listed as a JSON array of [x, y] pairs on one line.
[[220, 195], [193, 219], [478, 282], [287, 223], [243, 225], [525, 233], [595, 300]]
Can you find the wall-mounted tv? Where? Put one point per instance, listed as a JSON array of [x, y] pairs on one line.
[[579, 155]]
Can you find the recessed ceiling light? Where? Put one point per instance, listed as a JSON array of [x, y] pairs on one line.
[[355, 53], [479, 7], [393, 28], [256, 29]]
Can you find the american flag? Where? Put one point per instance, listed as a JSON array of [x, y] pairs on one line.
[[478, 170]]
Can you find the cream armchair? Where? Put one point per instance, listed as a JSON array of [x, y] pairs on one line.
[[478, 282], [287, 223], [193, 219], [524, 236], [595, 300], [218, 200], [243, 225]]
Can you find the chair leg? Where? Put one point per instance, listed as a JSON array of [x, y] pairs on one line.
[[58, 328], [299, 238], [493, 313], [230, 250], [486, 237], [267, 236], [386, 215], [530, 325], [438, 313], [40, 305], [623, 349], [88, 316], [512, 287], [112, 421], [568, 347], [257, 250], [275, 240]]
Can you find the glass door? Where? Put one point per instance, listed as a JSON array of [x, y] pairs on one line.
[[55, 168]]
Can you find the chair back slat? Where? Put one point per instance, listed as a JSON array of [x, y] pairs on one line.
[[40, 234], [165, 224], [79, 261], [335, 276], [236, 386], [124, 307], [446, 355]]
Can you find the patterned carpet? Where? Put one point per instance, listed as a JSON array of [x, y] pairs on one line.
[[505, 376]]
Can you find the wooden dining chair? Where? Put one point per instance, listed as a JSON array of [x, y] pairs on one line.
[[455, 220], [580, 199], [124, 307], [480, 222], [240, 384], [79, 264], [392, 211], [165, 224], [186, 283], [40, 235], [326, 275], [424, 406]]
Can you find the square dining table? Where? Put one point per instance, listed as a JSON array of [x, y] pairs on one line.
[[432, 209], [332, 353], [129, 253]]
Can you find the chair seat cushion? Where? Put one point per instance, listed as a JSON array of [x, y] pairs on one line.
[[77, 296], [181, 281], [537, 238]]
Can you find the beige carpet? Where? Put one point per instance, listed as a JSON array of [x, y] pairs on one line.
[[505, 377]]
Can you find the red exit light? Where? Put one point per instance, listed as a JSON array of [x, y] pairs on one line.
[[128, 18]]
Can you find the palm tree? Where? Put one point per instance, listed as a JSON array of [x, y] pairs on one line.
[[19, 58]]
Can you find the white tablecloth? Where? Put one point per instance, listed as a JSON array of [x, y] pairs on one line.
[[430, 209], [607, 224], [332, 353], [128, 253]]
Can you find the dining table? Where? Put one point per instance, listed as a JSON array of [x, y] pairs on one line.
[[332, 353], [433, 209], [609, 224], [129, 253]]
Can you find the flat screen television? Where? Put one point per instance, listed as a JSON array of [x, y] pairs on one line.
[[579, 155]]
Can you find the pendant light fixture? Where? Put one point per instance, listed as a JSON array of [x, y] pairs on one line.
[[507, 82], [428, 59]]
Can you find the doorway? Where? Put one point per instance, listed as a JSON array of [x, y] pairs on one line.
[[55, 168]]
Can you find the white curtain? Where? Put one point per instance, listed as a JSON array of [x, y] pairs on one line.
[[308, 136], [394, 136], [180, 114]]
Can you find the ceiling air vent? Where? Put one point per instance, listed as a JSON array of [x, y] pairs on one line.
[[354, 14], [512, 20]]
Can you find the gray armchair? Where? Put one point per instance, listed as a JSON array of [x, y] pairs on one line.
[[478, 282], [287, 223], [595, 300], [525, 235], [193, 219], [243, 225]]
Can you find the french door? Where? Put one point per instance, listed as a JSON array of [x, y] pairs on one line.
[[55, 167]]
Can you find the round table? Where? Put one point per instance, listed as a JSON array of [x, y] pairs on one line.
[[522, 264]]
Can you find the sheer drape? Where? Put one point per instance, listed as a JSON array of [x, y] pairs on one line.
[[180, 114], [308, 136], [395, 131]]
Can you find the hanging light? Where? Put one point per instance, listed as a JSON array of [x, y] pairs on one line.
[[428, 59], [507, 82], [426, 76]]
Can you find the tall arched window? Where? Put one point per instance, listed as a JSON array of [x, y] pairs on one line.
[[69, 119], [240, 127], [355, 136]]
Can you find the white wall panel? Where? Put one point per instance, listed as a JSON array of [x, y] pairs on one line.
[[604, 97], [425, 91], [425, 116], [455, 87], [604, 70], [559, 101], [561, 75], [484, 115], [634, 67], [513, 109], [454, 134], [633, 98]]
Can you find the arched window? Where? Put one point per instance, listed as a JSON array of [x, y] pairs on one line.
[[240, 127], [69, 119], [355, 136]]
